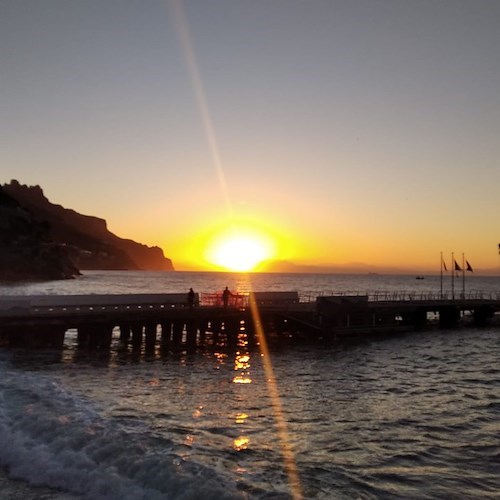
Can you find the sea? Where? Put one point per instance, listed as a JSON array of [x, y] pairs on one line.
[[413, 415]]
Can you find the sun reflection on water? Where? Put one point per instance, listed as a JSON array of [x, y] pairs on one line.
[[197, 413], [241, 379], [240, 418], [242, 368], [242, 365], [241, 443], [242, 362]]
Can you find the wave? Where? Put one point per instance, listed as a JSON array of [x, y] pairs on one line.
[[56, 438]]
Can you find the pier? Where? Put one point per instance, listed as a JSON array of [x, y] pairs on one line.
[[168, 320]]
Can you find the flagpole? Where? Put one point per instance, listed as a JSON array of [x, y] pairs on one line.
[[463, 276], [441, 276], [441, 273], [452, 276]]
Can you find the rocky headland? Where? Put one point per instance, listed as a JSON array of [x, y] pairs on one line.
[[48, 241], [26, 250]]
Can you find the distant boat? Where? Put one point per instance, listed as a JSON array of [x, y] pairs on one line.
[[420, 277]]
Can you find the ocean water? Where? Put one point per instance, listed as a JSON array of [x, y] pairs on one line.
[[407, 416]]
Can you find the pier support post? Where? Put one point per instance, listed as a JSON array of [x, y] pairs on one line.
[[178, 328], [106, 336], [137, 329], [21, 337], [483, 315], [124, 332], [150, 334], [203, 332], [280, 326], [4, 336], [44, 336], [191, 334], [231, 328], [420, 318], [93, 337], [250, 331], [216, 329], [448, 317], [97, 335], [83, 335], [166, 333]]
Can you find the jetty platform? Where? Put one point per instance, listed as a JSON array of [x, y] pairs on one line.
[[170, 321]]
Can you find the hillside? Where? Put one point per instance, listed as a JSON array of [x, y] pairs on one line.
[[26, 251], [93, 245]]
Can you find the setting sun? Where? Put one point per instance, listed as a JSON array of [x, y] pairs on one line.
[[239, 250]]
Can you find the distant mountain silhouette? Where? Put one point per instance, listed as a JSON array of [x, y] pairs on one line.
[[283, 266], [92, 244], [26, 251]]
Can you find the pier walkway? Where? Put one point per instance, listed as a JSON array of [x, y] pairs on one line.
[[43, 320]]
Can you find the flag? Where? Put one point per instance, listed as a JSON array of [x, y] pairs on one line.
[[444, 265], [457, 267], [469, 267]]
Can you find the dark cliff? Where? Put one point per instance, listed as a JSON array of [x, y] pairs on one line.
[[94, 246], [26, 251]]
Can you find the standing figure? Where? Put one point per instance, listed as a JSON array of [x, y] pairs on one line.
[[225, 296], [191, 298]]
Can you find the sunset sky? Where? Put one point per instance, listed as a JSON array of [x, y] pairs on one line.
[[334, 131]]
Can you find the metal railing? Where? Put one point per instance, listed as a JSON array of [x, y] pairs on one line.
[[216, 300], [404, 296], [16, 305]]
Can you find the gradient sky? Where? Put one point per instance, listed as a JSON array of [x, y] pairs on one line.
[[348, 130]]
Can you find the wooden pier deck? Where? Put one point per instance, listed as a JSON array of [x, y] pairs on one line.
[[43, 320]]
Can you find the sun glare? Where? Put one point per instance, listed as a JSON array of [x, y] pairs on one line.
[[239, 250]]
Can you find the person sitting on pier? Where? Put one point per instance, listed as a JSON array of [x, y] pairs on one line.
[[225, 296], [191, 298]]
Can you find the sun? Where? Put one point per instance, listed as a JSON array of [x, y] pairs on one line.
[[239, 249]]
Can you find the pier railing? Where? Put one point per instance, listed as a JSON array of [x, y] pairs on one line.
[[405, 296], [71, 304], [242, 300], [217, 300]]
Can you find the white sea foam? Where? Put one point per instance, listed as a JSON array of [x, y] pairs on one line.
[[52, 437]]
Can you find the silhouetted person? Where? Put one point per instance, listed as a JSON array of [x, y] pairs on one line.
[[225, 296], [191, 298]]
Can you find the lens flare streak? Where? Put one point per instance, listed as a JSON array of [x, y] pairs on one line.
[[281, 424], [199, 91], [240, 443]]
